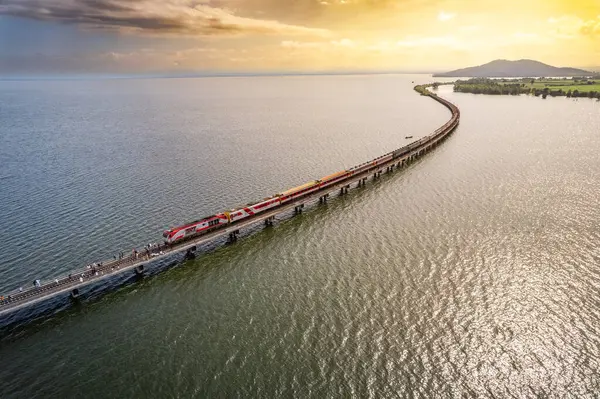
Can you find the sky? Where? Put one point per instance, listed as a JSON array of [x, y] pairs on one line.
[[163, 36]]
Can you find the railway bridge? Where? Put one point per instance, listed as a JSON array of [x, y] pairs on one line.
[[72, 283]]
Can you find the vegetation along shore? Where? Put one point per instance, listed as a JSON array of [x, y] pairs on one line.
[[569, 87]]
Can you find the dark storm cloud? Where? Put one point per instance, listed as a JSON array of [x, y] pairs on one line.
[[184, 17]]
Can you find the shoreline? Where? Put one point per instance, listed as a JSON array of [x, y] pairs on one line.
[[570, 88]]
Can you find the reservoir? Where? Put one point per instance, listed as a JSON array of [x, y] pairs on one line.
[[474, 271]]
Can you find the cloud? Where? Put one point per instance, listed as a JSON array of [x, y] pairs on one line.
[[525, 36], [569, 27], [445, 16], [447, 41], [591, 28], [344, 43], [322, 45], [179, 17], [293, 44]]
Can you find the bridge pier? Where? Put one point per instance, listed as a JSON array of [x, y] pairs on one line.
[[361, 182], [323, 198], [139, 270], [269, 221], [233, 236], [298, 209], [189, 254], [344, 190], [75, 293]]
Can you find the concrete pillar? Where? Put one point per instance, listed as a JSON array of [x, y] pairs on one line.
[[139, 270], [189, 254], [75, 293]]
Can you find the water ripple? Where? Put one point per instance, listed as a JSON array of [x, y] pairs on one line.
[[470, 273]]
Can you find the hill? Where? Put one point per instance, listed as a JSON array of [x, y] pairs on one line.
[[513, 69]]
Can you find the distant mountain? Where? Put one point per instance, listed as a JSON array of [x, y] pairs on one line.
[[513, 69]]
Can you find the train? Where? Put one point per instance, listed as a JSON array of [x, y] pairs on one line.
[[220, 220]]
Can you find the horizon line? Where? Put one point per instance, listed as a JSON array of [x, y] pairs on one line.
[[172, 75]]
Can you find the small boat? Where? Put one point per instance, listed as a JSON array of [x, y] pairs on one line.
[[408, 137]]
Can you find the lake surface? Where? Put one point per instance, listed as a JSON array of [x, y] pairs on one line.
[[472, 272]]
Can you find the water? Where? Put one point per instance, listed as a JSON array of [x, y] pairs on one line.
[[473, 272]]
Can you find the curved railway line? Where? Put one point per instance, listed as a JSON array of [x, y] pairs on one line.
[[77, 279]]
